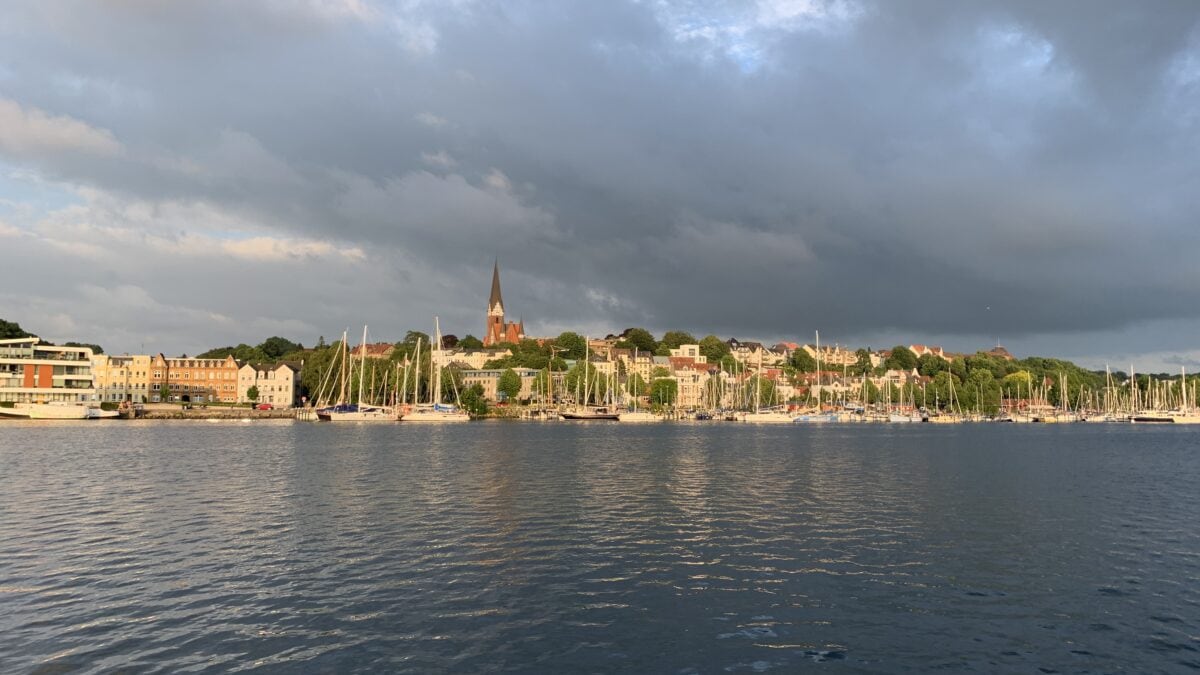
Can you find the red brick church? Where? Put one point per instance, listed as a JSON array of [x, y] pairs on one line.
[[497, 330]]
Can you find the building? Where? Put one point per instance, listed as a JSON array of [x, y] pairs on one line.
[[278, 385], [497, 330], [489, 379], [121, 378], [475, 358], [193, 380], [832, 356], [34, 372]]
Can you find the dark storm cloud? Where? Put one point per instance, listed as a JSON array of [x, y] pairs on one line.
[[1016, 169]]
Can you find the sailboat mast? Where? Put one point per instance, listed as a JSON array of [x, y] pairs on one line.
[[362, 368]]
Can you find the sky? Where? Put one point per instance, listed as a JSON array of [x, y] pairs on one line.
[[185, 175]]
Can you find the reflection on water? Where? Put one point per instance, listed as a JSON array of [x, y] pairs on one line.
[[597, 547]]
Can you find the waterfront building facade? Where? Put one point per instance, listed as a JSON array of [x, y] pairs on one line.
[[193, 380], [278, 385], [490, 378], [34, 372], [121, 378]]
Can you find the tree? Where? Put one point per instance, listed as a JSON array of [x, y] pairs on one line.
[[96, 349], [901, 358], [713, 348], [664, 391], [862, 365], [11, 329], [252, 393], [275, 347], [671, 340], [472, 400], [640, 339], [635, 385], [508, 388], [802, 361], [470, 342], [931, 364], [584, 378], [572, 345], [411, 337], [766, 390], [164, 393]]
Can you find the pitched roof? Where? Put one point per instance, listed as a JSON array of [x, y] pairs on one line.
[[495, 298]]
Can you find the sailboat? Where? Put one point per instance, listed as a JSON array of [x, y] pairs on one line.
[[1185, 413], [584, 412], [360, 411], [436, 410], [759, 415], [633, 414]]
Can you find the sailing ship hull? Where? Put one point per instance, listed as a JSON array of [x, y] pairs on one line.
[[437, 416], [588, 416], [49, 411], [639, 417], [766, 418]]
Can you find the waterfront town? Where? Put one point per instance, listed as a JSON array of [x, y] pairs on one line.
[[677, 375]]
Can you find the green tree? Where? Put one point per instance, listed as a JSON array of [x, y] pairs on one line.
[[275, 347], [635, 385], [931, 364], [473, 402], [252, 393], [10, 330], [713, 348], [587, 381], [901, 358], [411, 337], [671, 340], [470, 342], [164, 393], [663, 391], [508, 388], [96, 349], [766, 391], [802, 361], [571, 345], [640, 339], [862, 364]]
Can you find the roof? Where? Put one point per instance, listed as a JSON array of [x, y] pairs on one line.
[[495, 298]]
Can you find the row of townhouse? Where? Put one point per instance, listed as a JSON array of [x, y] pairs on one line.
[[144, 378]]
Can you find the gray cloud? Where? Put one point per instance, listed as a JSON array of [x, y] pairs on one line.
[[960, 171]]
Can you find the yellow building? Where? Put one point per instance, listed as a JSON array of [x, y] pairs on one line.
[[121, 378]]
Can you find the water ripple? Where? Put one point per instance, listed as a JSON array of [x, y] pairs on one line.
[[150, 547]]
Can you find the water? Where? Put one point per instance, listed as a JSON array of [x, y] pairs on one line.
[[557, 548]]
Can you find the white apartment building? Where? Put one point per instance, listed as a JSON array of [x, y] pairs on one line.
[[33, 372]]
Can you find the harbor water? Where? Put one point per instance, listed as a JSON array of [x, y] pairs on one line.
[[598, 547]]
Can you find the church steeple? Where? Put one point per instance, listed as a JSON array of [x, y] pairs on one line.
[[496, 302]]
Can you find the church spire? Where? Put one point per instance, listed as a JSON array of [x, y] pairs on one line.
[[496, 299]]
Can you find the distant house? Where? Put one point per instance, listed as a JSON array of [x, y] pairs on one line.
[[922, 350], [277, 384]]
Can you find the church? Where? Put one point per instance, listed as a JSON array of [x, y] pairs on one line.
[[497, 330]]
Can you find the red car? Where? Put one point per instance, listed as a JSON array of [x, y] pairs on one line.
[[263, 406]]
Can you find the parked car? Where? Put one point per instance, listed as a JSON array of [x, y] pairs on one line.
[[263, 406]]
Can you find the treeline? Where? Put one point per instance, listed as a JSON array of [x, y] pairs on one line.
[[12, 330]]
